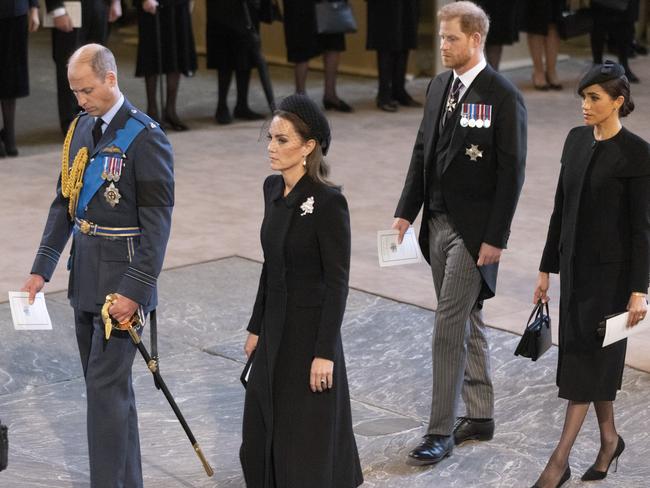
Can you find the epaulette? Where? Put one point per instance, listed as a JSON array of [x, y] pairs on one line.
[[144, 119]]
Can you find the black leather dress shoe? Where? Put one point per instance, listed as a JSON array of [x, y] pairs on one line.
[[467, 429], [433, 449]]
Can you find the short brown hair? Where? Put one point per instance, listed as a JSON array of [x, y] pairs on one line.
[[472, 17]]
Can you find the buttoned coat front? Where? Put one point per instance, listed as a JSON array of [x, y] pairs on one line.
[[292, 437], [599, 242]]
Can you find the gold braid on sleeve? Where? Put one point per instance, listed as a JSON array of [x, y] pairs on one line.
[[72, 176]]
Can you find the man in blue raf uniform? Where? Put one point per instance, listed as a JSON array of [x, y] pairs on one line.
[[115, 196]]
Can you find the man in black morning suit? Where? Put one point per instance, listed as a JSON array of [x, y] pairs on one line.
[[120, 220], [95, 16], [466, 173]]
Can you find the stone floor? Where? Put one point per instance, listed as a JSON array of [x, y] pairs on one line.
[[203, 311]]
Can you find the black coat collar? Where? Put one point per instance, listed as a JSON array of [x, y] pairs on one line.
[[296, 194]]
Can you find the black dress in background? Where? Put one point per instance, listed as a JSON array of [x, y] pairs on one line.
[[536, 15], [228, 42], [292, 437], [599, 242], [392, 25], [14, 73], [302, 39], [176, 38], [504, 21]]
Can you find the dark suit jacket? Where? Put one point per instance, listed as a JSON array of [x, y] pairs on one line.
[[99, 265], [15, 8], [481, 196]]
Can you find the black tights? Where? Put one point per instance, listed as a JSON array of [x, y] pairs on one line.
[[392, 74], [242, 77], [169, 109], [9, 121]]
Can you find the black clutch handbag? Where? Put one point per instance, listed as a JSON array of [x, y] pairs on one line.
[[335, 18], [245, 374], [4, 447], [537, 336], [574, 23]]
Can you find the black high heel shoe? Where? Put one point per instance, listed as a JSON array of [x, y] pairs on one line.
[[6, 149], [565, 477], [593, 474]]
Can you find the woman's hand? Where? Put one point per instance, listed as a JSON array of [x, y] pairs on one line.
[[33, 20], [321, 377], [541, 288], [637, 307], [251, 344], [150, 6]]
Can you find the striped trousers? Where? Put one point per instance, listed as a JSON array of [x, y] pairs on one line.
[[461, 360]]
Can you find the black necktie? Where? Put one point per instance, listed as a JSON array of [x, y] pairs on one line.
[[97, 130], [452, 99]]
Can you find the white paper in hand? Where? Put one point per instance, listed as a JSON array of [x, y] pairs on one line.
[[391, 253], [616, 328], [26, 316]]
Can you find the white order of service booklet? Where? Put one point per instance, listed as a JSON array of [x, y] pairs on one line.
[[390, 253], [26, 316]]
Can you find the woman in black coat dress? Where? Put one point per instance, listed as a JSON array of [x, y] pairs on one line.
[[392, 32], [304, 42], [297, 426], [17, 18], [170, 22], [599, 242]]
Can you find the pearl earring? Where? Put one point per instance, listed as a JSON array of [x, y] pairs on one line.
[[304, 161]]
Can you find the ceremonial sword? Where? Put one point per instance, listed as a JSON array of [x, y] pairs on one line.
[[152, 364]]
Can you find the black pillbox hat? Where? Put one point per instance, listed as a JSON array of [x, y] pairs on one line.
[[601, 73], [307, 110]]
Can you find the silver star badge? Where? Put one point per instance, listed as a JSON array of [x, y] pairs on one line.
[[112, 195], [473, 152]]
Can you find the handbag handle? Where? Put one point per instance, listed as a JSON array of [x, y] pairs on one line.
[[537, 311]]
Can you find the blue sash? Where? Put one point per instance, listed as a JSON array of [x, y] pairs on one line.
[[93, 180]]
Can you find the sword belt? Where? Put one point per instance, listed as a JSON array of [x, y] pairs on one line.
[[90, 229]]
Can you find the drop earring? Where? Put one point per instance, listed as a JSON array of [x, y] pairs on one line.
[[304, 161]]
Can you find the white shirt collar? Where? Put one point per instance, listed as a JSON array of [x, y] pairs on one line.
[[467, 78], [108, 116]]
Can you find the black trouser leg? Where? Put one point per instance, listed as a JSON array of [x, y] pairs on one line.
[[385, 68], [9, 129], [400, 62]]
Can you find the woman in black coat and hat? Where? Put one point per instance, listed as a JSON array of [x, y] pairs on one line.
[[599, 242], [297, 426]]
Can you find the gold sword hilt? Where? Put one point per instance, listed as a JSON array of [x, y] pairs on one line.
[[110, 324]]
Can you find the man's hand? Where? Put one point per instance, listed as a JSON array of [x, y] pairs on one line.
[[488, 254], [63, 23], [402, 225], [251, 344], [150, 6], [34, 21], [123, 308], [33, 285], [115, 11]]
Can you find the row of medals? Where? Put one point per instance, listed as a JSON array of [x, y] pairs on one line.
[[112, 172], [468, 118]]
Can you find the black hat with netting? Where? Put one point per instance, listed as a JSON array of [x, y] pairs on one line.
[[307, 110]]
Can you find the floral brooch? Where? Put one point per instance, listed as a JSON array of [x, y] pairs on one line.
[[307, 206]]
